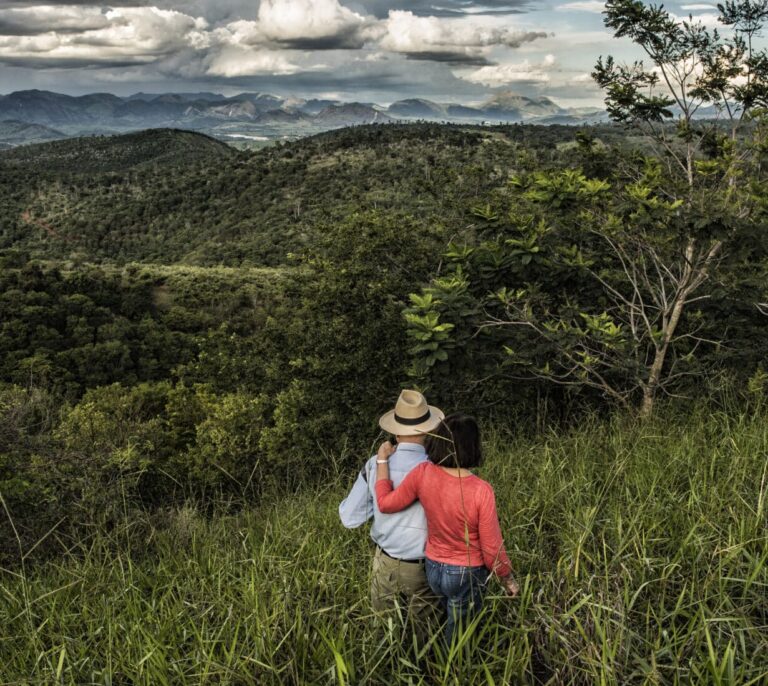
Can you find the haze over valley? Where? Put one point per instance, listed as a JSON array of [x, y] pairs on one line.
[[251, 118]]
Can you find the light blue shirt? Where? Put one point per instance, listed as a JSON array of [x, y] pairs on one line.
[[402, 534]]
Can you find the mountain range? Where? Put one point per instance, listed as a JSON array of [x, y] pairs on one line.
[[258, 116]]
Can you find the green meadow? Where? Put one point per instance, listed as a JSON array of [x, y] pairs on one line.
[[640, 547]]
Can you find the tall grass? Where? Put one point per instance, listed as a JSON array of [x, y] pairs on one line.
[[641, 550]]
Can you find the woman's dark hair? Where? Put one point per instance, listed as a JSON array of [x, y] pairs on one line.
[[455, 443]]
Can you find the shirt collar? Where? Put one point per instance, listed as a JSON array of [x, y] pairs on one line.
[[414, 448]]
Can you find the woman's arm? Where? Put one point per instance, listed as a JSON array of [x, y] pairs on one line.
[[392, 499], [382, 460], [489, 532], [492, 545]]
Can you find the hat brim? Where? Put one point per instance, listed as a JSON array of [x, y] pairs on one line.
[[391, 425]]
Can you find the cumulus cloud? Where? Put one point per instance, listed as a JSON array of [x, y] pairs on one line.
[[583, 6], [507, 74], [585, 79], [124, 36], [312, 24], [270, 39], [85, 35], [447, 40], [710, 20], [261, 46], [233, 61], [299, 25], [26, 21], [242, 33]]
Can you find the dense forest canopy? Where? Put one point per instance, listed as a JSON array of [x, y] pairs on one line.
[[199, 202]]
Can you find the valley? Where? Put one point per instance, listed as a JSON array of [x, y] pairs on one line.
[[251, 119]]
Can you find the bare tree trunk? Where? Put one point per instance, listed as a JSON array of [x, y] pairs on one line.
[[646, 408], [654, 375]]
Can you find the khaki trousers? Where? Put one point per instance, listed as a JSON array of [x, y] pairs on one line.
[[396, 584]]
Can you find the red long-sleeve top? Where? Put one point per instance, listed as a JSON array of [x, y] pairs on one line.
[[462, 524]]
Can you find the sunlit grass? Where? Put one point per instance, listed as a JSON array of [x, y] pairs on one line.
[[641, 552]]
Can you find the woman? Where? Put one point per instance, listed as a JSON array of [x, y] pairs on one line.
[[463, 535]]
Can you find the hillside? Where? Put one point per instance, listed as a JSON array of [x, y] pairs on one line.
[[619, 537], [163, 147], [172, 196], [14, 133]]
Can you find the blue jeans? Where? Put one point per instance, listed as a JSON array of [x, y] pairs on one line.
[[459, 589]]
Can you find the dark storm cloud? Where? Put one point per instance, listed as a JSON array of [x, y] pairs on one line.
[[442, 8], [44, 62], [452, 58], [351, 40], [12, 28]]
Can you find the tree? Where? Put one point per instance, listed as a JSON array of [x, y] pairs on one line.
[[718, 194], [605, 281]]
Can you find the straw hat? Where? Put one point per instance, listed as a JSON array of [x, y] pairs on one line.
[[411, 416]]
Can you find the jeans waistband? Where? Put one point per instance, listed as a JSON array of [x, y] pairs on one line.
[[415, 561]]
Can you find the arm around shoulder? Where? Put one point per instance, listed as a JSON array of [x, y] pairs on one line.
[[394, 500]]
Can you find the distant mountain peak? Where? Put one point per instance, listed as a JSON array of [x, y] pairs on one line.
[[352, 112], [416, 107], [257, 115], [419, 101], [509, 102]]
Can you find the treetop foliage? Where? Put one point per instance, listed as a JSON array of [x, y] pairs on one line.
[[166, 148], [611, 281]]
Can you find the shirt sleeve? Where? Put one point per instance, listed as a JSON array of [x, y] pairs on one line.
[[491, 544], [357, 508], [396, 499]]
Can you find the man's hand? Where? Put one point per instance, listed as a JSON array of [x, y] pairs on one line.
[[510, 586], [385, 450]]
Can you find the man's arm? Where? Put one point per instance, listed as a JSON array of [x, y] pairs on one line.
[[357, 508]]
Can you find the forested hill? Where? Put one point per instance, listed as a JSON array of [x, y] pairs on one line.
[[178, 197], [93, 154], [220, 352]]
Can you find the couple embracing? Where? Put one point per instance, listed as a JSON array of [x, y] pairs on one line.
[[435, 526]]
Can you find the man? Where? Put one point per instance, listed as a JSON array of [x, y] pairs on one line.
[[398, 575]]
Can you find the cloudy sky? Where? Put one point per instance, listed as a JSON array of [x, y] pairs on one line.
[[371, 50]]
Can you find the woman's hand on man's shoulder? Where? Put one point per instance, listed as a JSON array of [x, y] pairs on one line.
[[385, 450]]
